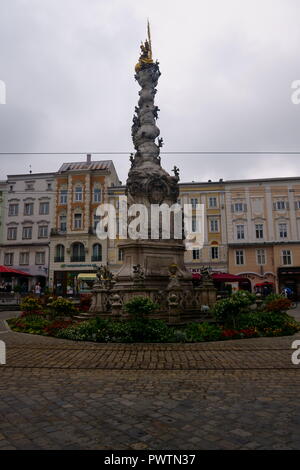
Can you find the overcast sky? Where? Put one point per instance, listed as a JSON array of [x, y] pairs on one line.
[[227, 68]]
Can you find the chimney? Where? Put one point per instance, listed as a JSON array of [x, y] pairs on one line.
[[88, 157]]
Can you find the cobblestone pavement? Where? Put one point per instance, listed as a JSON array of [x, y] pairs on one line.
[[57, 394]]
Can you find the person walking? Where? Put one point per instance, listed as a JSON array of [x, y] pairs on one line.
[[37, 289]]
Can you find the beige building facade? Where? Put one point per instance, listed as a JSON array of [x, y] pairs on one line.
[[263, 231], [74, 247]]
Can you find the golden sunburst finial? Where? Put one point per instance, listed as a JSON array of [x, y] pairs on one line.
[[149, 39], [146, 51]]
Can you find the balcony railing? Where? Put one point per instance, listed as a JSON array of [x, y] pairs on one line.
[[59, 259], [97, 258], [76, 259]]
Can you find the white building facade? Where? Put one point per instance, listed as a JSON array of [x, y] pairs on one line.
[[27, 216]]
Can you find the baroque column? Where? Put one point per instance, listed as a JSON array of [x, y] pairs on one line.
[[149, 184]]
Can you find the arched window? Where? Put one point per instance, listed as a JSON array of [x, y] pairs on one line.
[[97, 252], [78, 193], [77, 252], [59, 253]]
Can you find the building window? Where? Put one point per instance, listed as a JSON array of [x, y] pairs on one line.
[[63, 223], [297, 205], [44, 208], [8, 259], [261, 257], [194, 224], [214, 252], [96, 221], [240, 232], [194, 202], [97, 252], [214, 225], [280, 205], [239, 207], [286, 257], [59, 254], [43, 231], [283, 230], [239, 257], [78, 193], [120, 254], [49, 186], [212, 202], [196, 254], [27, 233], [97, 194], [24, 258], [259, 231], [28, 208], [13, 209], [40, 257], [77, 252], [12, 233], [63, 196], [77, 221]]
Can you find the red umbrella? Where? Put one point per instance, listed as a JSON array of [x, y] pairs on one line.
[[6, 270], [225, 277]]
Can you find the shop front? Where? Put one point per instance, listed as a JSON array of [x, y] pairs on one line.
[[290, 278], [69, 283]]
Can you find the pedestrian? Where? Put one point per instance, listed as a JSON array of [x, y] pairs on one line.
[[37, 289]]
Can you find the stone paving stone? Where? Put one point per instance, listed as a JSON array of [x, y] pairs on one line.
[[226, 395]]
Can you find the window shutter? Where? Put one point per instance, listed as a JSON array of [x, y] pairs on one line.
[[245, 207], [287, 205], [232, 207], [274, 206]]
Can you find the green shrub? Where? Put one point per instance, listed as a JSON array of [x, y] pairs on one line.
[[121, 332], [279, 305], [267, 321], [61, 307], [28, 325], [271, 297], [203, 332], [140, 307], [30, 304], [228, 310]]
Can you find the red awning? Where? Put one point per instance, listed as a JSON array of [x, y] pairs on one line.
[[262, 284], [223, 277], [6, 270]]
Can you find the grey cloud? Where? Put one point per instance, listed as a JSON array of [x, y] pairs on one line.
[[225, 84]]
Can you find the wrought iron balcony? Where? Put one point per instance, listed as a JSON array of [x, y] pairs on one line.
[[76, 259], [97, 258]]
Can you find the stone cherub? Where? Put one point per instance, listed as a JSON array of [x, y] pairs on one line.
[[160, 142], [206, 273], [138, 274]]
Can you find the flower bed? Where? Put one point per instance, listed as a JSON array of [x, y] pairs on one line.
[[56, 320]]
